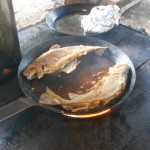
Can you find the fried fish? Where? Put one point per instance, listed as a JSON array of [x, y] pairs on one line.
[[111, 86], [58, 59]]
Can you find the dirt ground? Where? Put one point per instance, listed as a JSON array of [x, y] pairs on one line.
[[138, 17], [31, 12]]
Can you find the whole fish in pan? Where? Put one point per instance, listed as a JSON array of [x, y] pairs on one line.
[[59, 59], [110, 87]]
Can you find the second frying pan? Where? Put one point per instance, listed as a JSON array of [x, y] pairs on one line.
[[66, 19]]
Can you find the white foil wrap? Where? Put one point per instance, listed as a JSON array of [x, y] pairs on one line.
[[101, 19]]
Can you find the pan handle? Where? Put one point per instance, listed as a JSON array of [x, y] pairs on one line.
[[126, 7], [15, 107]]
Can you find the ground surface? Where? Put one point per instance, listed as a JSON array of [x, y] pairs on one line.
[[30, 12], [139, 17]]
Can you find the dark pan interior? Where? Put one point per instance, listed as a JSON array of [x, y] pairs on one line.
[[66, 19], [90, 64]]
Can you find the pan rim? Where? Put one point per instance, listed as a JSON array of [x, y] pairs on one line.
[[22, 66]]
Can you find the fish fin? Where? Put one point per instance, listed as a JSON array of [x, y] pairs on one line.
[[73, 95], [71, 66], [45, 98]]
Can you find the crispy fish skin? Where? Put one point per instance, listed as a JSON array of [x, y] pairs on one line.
[[56, 59], [110, 87]]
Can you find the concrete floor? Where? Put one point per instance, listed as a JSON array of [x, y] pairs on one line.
[[31, 12]]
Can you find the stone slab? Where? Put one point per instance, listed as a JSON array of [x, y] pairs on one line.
[[116, 35], [33, 36]]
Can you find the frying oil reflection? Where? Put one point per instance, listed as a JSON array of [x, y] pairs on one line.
[[89, 115]]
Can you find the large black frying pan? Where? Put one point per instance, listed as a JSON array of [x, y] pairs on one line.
[[90, 64], [67, 19]]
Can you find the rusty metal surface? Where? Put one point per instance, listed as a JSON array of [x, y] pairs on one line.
[[126, 128]]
